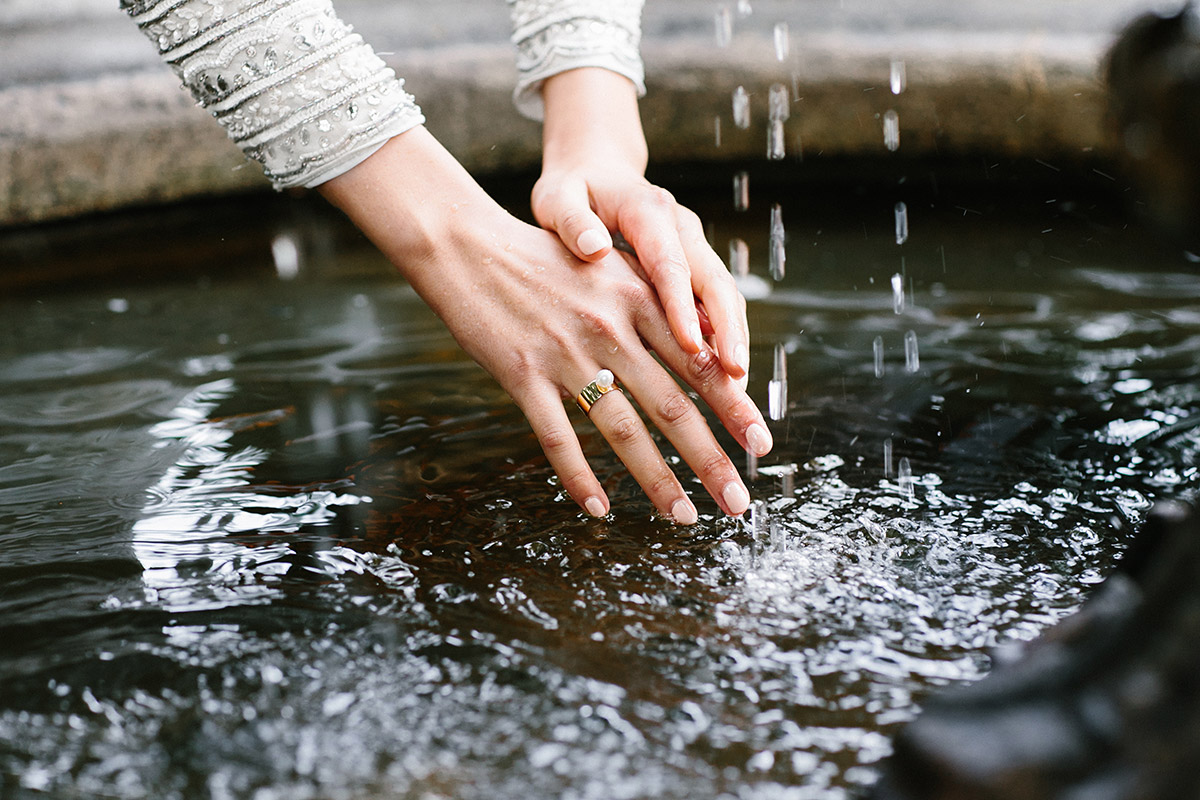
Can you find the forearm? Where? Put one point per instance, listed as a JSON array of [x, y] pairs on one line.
[[592, 114]]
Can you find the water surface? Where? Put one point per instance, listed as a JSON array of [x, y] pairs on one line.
[[280, 538]]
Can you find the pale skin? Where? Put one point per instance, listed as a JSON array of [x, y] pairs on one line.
[[543, 317]]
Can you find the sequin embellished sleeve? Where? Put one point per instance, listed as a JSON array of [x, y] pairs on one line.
[[552, 36], [292, 85]]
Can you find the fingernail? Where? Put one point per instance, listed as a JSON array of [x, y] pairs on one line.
[[694, 333], [594, 506], [743, 381], [683, 512], [592, 241], [736, 498], [759, 439], [741, 357]]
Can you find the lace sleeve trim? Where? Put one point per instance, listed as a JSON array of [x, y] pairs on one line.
[[552, 36], [292, 84]]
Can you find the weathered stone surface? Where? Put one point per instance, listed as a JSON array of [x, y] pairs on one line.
[[1105, 705], [89, 120]]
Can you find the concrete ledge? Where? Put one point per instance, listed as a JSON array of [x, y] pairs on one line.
[[117, 130]]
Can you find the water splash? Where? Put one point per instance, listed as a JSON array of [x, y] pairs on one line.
[[778, 255], [739, 258], [741, 191], [782, 41], [899, 76], [777, 389], [901, 222], [741, 107], [898, 293], [877, 347], [891, 130], [912, 358]]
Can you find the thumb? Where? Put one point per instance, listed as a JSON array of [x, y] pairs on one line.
[[564, 207]]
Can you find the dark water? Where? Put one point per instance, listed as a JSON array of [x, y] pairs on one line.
[[279, 539]]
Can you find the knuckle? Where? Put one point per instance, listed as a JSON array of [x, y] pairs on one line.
[[675, 407], [659, 197], [576, 480], [599, 323], [661, 484], [636, 294], [714, 463], [555, 440], [624, 430], [703, 367]]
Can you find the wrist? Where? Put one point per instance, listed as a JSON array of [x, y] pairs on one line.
[[592, 118]]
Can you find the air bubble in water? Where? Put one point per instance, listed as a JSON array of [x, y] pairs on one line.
[[778, 257], [877, 346], [899, 76], [741, 191], [739, 258], [887, 457], [782, 41], [898, 293], [724, 22], [891, 130], [912, 359], [741, 107], [901, 222], [904, 478], [777, 388]]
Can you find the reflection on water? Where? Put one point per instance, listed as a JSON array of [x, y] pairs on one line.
[[265, 539]]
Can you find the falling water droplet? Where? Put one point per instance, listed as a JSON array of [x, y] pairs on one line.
[[904, 478], [778, 102], [724, 22], [776, 149], [741, 191], [782, 41], [286, 253], [898, 293], [899, 76], [717, 131], [877, 346], [887, 457], [739, 258], [778, 257], [788, 480], [901, 222], [777, 388], [741, 107], [751, 465], [891, 130], [912, 359], [744, 8]]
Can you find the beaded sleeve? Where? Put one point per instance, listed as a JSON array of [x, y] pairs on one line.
[[552, 36], [292, 84]]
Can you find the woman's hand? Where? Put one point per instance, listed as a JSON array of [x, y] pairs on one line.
[[592, 183], [543, 323]]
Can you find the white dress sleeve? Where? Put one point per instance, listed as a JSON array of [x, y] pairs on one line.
[[292, 84], [552, 36]]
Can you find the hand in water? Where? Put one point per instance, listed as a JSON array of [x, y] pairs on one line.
[[544, 323], [592, 183]]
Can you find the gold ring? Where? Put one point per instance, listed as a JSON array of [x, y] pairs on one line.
[[602, 385]]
